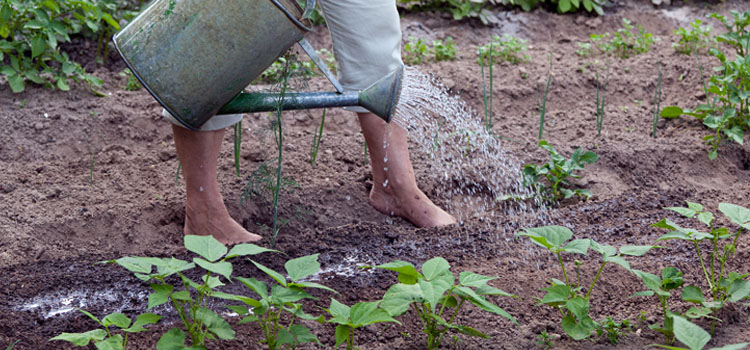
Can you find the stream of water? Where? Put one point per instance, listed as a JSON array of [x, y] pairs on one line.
[[473, 167]]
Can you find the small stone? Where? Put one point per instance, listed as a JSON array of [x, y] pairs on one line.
[[39, 126]]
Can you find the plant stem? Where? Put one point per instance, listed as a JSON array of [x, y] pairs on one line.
[[237, 146], [598, 273], [565, 275], [543, 104], [350, 339], [316, 140], [700, 258], [280, 143], [657, 100]]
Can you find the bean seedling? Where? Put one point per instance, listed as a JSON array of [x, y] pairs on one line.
[[103, 338], [360, 315], [624, 43], [569, 295], [557, 171], [694, 40], [445, 50], [508, 49], [200, 322], [436, 299], [284, 295], [417, 51]]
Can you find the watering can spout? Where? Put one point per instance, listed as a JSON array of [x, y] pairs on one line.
[[379, 98]]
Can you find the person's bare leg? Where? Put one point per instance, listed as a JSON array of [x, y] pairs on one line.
[[205, 212], [395, 191]]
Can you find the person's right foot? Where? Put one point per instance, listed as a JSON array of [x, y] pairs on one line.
[[411, 205], [216, 222]]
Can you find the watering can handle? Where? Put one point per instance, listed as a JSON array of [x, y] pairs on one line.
[[309, 8], [322, 66]]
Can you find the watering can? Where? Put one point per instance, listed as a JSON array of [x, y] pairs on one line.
[[196, 57]]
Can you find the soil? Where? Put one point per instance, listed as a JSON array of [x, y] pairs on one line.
[[90, 179]]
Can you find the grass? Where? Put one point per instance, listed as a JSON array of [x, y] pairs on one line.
[[601, 101], [487, 101], [317, 137]]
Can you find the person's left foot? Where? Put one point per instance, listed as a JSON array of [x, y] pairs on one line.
[[206, 220]]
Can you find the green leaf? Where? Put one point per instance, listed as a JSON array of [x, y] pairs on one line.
[[256, 286], [246, 249], [619, 261], [738, 346], [342, 334], [215, 324], [490, 290], [579, 246], [397, 299], [603, 249], [159, 296], [563, 6], [367, 313], [671, 112], [312, 285], [62, 84], [432, 291], [740, 289], [435, 268], [471, 279], [223, 268], [686, 212], [112, 343], [635, 250], [550, 237], [737, 214], [142, 320], [651, 281], [206, 246], [91, 316], [82, 339], [16, 83], [38, 46], [407, 273], [275, 275], [339, 311], [646, 293], [300, 268], [116, 319], [579, 307], [482, 303], [692, 294], [556, 295], [706, 218], [689, 334], [281, 295], [574, 329], [174, 339]]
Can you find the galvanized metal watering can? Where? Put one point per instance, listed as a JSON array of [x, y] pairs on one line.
[[196, 56]]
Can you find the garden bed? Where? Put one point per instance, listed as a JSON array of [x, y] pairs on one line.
[[94, 178]]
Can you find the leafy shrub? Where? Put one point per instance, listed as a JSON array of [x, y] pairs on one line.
[[445, 50], [696, 40], [482, 9], [417, 51], [31, 31], [508, 49]]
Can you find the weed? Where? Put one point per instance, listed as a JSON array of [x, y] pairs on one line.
[[436, 299], [613, 329], [445, 50], [417, 51], [102, 337], [557, 171], [317, 137], [508, 49], [584, 49], [544, 340], [131, 83], [570, 296], [695, 40], [12, 344], [360, 315]]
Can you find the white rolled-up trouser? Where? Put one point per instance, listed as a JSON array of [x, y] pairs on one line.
[[366, 43]]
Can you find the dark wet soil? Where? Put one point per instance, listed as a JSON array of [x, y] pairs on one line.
[[88, 179]]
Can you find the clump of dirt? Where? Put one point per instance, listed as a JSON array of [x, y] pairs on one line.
[[89, 179]]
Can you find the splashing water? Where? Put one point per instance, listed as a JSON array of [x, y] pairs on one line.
[[471, 166]]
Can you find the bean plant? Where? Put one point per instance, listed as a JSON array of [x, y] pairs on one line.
[[445, 50], [190, 301], [694, 40], [508, 49], [695, 337], [283, 298], [570, 295], [417, 51], [437, 299], [347, 319], [557, 172], [624, 43], [728, 112], [481, 9], [724, 286], [104, 338]]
